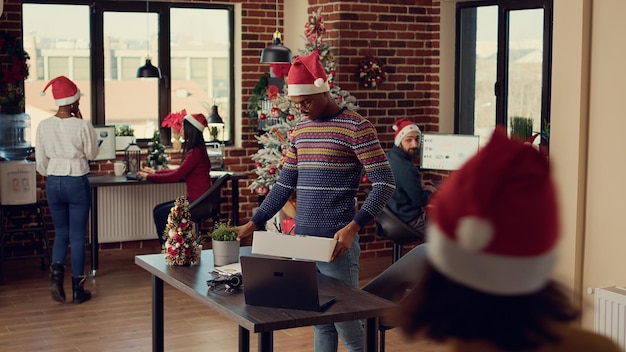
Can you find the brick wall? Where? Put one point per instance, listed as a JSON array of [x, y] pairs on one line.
[[404, 34]]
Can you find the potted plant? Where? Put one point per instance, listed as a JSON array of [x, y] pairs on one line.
[[522, 127], [224, 243], [174, 121], [124, 136]]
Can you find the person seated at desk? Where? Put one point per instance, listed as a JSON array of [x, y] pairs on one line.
[[195, 168], [412, 193]]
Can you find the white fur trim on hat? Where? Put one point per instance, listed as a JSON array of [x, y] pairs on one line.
[[494, 274], [197, 124], [68, 100], [307, 89]]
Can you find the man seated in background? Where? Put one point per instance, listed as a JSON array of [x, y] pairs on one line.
[[412, 193]]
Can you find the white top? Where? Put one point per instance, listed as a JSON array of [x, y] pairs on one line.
[[64, 146]]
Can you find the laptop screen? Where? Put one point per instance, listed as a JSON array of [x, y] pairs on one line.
[[281, 283], [446, 151]]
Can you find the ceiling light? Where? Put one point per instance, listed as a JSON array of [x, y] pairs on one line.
[[276, 52], [148, 70]]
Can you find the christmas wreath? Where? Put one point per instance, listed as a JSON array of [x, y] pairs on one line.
[[371, 72]]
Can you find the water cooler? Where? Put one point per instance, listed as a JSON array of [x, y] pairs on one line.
[[18, 182]]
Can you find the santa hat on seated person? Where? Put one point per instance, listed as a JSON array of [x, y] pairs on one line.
[[494, 223], [197, 120], [402, 127], [64, 91], [307, 76]]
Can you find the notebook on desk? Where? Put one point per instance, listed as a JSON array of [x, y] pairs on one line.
[[282, 283]]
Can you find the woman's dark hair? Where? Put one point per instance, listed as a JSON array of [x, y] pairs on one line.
[[193, 137], [442, 309]]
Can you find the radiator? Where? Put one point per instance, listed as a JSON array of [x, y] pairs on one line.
[[125, 212], [610, 313]]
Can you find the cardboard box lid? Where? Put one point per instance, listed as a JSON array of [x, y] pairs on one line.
[[293, 246]]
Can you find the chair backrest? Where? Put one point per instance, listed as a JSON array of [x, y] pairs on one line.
[[203, 207], [391, 227], [395, 282]]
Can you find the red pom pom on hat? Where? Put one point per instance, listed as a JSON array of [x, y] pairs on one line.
[[494, 223]]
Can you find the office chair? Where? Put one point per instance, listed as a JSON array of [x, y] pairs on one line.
[[390, 227], [395, 283], [207, 205]]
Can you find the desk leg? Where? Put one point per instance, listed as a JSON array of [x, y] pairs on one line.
[[235, 189], [266, 342], [157, 315], [94, 231], [244, 339], [371, 335]]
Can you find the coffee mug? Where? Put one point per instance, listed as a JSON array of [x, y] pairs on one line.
[[119, 168]]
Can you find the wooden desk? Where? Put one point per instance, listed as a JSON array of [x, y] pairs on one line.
[[351, 304], [97, 181]]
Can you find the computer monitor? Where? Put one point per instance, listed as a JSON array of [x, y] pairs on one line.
[[446, 151], [106, 142]]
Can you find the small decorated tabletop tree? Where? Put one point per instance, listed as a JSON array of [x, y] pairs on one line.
[[181, 246], [157, 158]]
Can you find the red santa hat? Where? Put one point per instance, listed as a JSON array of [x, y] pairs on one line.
[[307, 76], [494, 223], [64, 91], [197, 120], [402, 127]]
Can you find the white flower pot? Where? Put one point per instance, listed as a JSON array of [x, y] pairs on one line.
[[225, 252], [121, 142]]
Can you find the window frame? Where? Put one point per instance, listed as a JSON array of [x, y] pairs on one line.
[[96, 51], [462, 125]]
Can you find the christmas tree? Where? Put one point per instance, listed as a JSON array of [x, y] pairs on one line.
[[181, 245], [156, 152], [275, 141]]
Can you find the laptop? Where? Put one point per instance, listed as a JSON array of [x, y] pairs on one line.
[[282, 283]]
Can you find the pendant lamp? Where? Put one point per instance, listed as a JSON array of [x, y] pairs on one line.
[[276, 52], [148, 70]]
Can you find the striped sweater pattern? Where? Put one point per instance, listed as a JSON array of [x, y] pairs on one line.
[[323, 166]]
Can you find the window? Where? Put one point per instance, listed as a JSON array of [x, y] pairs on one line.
[[101, 44], [503, 65]]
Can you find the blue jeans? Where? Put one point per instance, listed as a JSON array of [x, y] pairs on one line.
[[69, 200], [346, 269], [160, 214]]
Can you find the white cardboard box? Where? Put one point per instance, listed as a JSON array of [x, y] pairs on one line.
[[293, 246]]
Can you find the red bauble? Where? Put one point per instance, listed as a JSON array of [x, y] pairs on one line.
[[290, 117], [272, 171], [262, 190], [365, 179], [258, 165], [330, 85], [262, 116]]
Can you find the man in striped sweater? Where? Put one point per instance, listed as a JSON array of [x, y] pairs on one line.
[[328, 151]]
